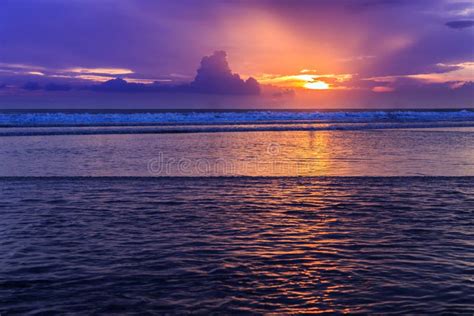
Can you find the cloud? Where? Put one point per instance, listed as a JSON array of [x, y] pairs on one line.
[[383, 89], [461, 24], [369, 4], [100, 71], [214, 76], [281, 93], [31, 86], [120, 85], [445, 73], [57, 87], [413, 88], [34, 86]]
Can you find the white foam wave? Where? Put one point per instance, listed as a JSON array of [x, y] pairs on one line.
[[223, 128], [241, 117]]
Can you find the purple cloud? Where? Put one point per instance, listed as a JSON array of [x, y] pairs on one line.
[[31, 86], [462, 24], [214, 76], [119, 85], [57, 87]]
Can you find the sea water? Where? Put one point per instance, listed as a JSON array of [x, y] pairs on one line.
[[236, 212]]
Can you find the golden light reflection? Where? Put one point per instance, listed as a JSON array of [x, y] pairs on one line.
[[318, 147], [299, 218], [284, 153]]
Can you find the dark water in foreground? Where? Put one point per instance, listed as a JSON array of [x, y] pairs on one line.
[[227, 245]]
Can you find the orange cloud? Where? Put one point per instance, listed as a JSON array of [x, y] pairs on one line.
[[383, 89], [305, 79]]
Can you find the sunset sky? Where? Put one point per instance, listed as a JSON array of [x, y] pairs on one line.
[[302, 53]]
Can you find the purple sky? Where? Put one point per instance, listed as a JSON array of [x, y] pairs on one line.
[[359, 53]]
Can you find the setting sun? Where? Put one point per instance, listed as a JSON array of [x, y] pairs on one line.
[[316, 85]]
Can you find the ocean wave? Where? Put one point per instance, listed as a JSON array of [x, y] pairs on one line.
[[20, 119], [223, 128]]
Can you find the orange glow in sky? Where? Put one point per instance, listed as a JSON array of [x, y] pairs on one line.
[[305, 80], [316, 85]]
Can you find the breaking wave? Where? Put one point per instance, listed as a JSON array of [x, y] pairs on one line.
[[80, 123], [127, 118]]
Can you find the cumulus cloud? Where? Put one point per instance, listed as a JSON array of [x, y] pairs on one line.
[[214, 76], [462, 24]]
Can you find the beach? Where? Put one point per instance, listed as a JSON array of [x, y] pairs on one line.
[[365, 214], [272, 157]]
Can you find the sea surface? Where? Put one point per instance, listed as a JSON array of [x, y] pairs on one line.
[[237, 143], [236, 212]]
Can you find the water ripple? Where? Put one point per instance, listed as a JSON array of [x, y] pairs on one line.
[[237, 245]]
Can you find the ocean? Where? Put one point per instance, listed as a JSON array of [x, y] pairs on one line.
[[225, 212]]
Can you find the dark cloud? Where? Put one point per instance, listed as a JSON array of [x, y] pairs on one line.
[[461, 24], [445, 94], [31, 86], [214, 76], [34, 85], [418, 86], [120, 85], [369, 4], [57, 87], [330, 4]]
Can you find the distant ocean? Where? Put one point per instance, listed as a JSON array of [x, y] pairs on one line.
[[252, 212]]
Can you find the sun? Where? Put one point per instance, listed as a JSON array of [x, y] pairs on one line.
[[316, 85]]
